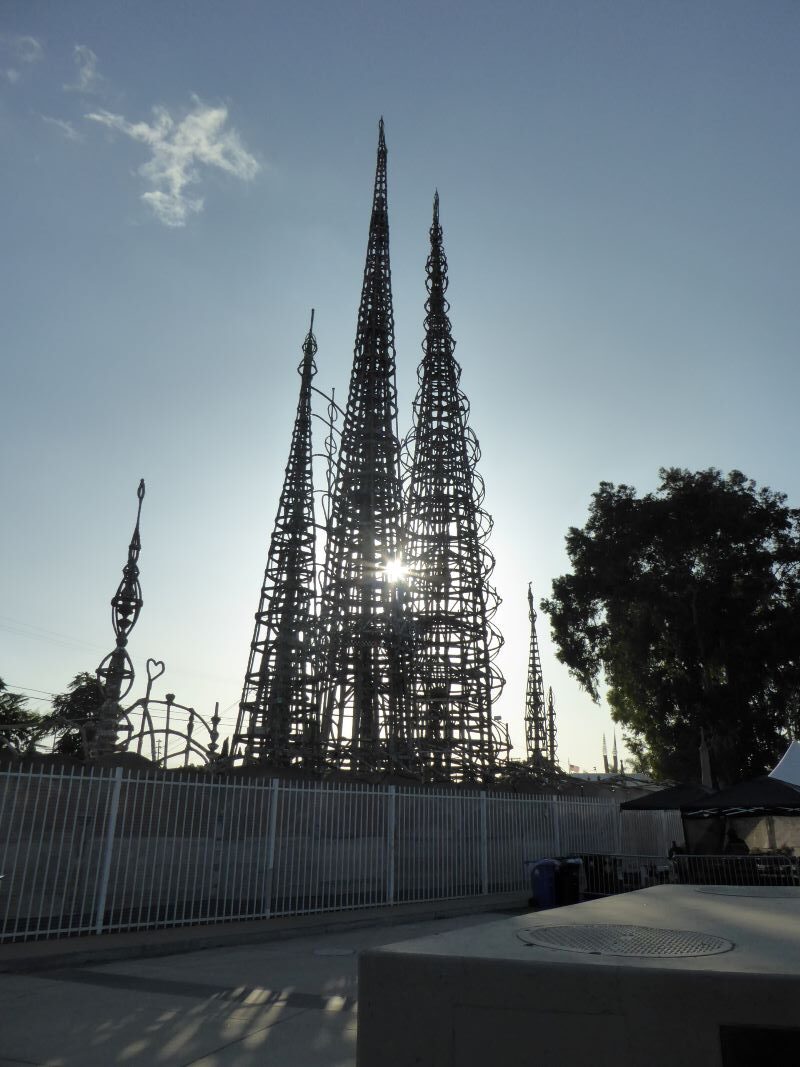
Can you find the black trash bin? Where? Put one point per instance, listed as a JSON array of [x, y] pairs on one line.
[[569, 880]]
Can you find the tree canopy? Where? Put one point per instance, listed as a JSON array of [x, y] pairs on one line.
[[686, 602], [18, 726], [72, 711]]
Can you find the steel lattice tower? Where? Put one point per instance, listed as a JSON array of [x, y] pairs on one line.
[[449, 565], [277, 715], [536, 732], [551, 727], [364, 698]]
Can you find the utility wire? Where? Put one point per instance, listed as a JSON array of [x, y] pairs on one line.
[[27, 629], [29, 689]]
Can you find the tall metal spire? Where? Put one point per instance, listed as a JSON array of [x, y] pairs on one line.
[[115, 674], [363, 702], [536, 739], [277, 715], [451, 601]]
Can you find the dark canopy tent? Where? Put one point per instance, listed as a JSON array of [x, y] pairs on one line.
[[759, 796], [760, 816], [671, 799]]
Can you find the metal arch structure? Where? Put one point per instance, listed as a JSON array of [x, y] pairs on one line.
[[364, 637], [455, 676], [536, 723], [167, 733], [162, 732], [277, 721]]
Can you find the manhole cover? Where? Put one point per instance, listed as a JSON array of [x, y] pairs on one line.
[[751, 891], [613, 940]]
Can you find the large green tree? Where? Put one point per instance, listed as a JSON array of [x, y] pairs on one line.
[[18, 726], [73, 713], [686, 602]]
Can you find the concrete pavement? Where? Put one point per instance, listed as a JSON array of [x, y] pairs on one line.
[[286, 1003], [36, 955]]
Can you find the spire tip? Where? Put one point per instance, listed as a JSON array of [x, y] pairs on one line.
[[307, 364]]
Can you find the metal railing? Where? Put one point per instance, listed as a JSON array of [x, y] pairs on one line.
[[751, 870], [607, 874], [90, 850]]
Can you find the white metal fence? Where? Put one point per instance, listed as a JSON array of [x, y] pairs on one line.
[[91, 850]]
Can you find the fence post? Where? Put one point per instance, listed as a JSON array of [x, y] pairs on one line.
[[108, 849], [391, 823], [484, 846], [555, 817], [618, 831], [273, 823], [665, 842]]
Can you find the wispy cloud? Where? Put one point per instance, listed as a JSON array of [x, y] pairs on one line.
[[65, 127], [27, 49], [87, 79], [178, 152], [18, 50]]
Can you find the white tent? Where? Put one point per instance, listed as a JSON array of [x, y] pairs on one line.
[[788, 769]]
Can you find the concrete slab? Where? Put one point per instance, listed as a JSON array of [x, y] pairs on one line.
[[279, 1045], [69, 1025], [486, 994], [289, 1003]]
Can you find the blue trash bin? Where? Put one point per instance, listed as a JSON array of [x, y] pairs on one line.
[[544, 877]]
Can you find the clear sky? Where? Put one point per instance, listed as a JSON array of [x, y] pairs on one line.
[[183, 181]]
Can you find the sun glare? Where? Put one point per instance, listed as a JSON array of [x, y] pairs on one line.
[[396, 570]]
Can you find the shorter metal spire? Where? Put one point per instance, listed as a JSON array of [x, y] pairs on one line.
[[551, 727], [276, 724], [535, 711], [115, 674], [450, 599]]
